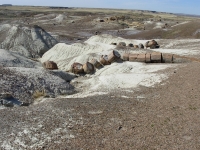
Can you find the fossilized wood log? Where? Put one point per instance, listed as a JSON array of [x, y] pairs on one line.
[[77, 68], [113, 56], [104, 60], [88, 68], [96, 63]]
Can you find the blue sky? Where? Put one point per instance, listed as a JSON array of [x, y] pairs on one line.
[[174, 6]]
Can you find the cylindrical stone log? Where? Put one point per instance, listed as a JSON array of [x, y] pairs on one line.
[[50, 65], [96, 63], [167, 58], [125, 56], [104, 60], [141, 46], [141, 58], [130, 45], [88, 68], [133, 57], [156, 57], [122, 44], [77, 68], [113, 56], [113, 43], [147, 58]]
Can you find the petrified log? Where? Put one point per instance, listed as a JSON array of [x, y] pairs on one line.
[[95, 63], [133, 57], [141, 46], [125, 56], [122, 44], [156, 57], [77, 68], [50, 65], [113, 56], [104, 60], [167, 58], [152, 44], [88, 68], [147, 58], [130, 45], [141, 58], [113, 43]]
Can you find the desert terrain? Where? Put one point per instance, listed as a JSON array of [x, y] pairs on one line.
[[137, 98]]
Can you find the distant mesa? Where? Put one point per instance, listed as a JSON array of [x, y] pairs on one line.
[[6, 5], [56, 7]]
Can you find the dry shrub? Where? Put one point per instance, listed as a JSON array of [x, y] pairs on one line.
[[38, 94]]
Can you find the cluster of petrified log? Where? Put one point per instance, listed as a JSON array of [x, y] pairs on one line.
[[152, 44], [90, 66], [154, 57]]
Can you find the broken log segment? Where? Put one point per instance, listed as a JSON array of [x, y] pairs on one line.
[[122, 44], [95, 63], [88, 68], [167, 58], [50, 65], [147, 58], [141, 58], [104, 60], [130, 45], [141, 46], [113, 56], [156, 57], [77, 68]]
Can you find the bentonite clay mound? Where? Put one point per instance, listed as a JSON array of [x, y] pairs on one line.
[[29, 42]]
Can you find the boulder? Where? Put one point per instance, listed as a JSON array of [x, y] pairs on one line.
[[135, 46]]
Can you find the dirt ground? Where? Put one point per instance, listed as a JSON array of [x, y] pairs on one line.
[[162, 117], [165, 116]]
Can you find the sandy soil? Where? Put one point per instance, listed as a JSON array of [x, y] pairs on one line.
[[162, 117]]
